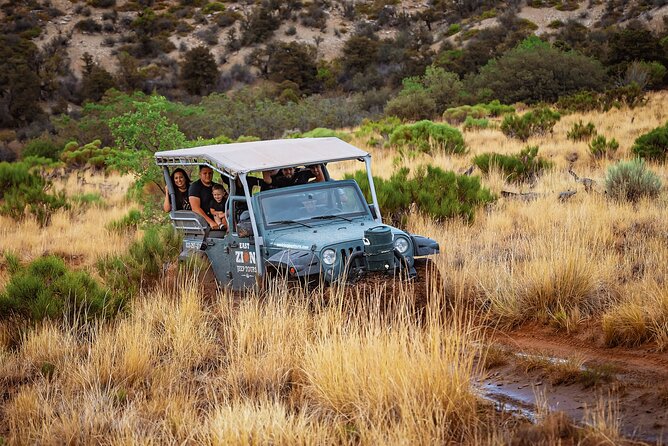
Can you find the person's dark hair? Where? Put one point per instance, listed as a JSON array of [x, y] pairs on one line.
[[204, 166], [185, 175], [217, 186]]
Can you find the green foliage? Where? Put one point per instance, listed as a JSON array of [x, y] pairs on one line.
[[581, 132], [289, 61], [602, 148], [321, 132], [91, 154], [213, 7], [143, 263], [139, 134], [378, 132], [435, 192], [475, 124], [424, 97], [457, 115], [631, 181], [127, 223], [46, 288], [537, 122], [631, 95], [652, 145], [518, 168], [43, 148], [199, 71], [22, 189], [426, 136], [546, 74]]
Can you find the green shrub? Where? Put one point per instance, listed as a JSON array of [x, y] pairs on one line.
[[23, 189], [435, 192], [517, 168], [537, 122], [321, 132], [652, 145], [602, 148], [580, 102], [143, 262], [631, 181], [426, 136], [581, 132], [475, 124], [43, 148], [423, 97], [91, 154], [46, 288], [456, 115], [536, 71], [129, 222]]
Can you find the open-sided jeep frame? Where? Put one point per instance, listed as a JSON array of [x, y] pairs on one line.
[[239, 261]]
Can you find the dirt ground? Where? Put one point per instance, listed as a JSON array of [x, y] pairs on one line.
[[632, 382]]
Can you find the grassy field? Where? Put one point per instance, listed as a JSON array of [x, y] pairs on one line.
[[284, 368]]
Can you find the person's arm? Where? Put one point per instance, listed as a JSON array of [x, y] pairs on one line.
[[167, 205], [196, 206]]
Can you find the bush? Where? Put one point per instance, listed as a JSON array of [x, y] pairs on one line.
[[602, 148], [652, 145], [23, 188], [581, 132], [533, 123], [475, 124], [128, 223], [457, 115], [631, 95], [91, 154], [321, 132], [435, 192], [143, 263], [424, 97], [631, 181], [521, 167], [426, 136], [48, 289], [88, 25], [378, 132], [43, 148], [546, 74]]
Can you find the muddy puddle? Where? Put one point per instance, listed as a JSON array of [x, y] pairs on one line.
[[640, 413]]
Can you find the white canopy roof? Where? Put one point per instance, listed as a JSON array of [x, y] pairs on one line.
[[242, 157]]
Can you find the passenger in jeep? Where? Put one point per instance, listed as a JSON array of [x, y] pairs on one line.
[[290, 176], [180, 185], [218, 206], [200, 195]]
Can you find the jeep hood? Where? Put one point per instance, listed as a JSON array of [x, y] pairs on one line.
[[320, 236]]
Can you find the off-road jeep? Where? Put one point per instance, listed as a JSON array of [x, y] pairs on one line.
[[316, 231]]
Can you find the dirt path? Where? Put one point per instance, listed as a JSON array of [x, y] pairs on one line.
[[641, 363], [631, 384]]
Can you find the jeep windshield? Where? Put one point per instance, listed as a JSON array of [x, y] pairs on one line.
[[336, 201]]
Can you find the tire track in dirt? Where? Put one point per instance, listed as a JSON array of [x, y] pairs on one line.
[[642, 362]]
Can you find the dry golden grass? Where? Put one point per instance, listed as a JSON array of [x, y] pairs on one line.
[[283, 369], [261, 370]]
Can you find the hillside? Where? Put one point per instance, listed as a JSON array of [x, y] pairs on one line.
[[58, 54]]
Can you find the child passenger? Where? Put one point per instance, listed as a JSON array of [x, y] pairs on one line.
[[218, 206]]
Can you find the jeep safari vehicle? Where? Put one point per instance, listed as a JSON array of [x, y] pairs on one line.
[[322, 231]]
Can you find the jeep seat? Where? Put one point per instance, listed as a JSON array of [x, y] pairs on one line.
[[190, 222]]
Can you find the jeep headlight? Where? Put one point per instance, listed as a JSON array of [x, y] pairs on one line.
[[401, 244], [329, 257]]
